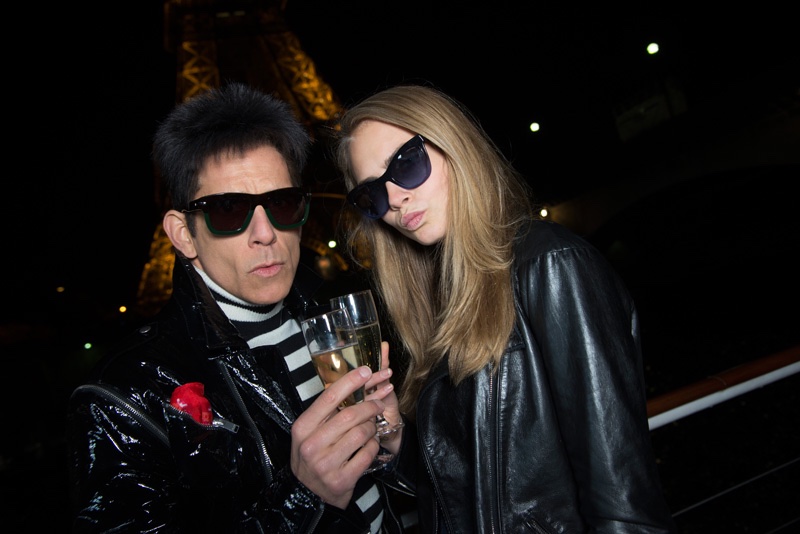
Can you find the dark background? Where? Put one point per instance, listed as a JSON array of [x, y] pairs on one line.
[[696, 211], [94, 83]]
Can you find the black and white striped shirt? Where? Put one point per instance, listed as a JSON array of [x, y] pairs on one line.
[[266, 325]]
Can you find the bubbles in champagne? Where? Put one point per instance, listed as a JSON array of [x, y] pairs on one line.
[[369, 338]]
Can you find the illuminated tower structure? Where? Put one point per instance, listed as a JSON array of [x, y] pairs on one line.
[[247, 41]]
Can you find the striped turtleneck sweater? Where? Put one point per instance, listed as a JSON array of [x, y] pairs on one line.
[[267, 325]]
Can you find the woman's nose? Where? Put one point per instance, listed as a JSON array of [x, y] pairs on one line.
[[397, 195]]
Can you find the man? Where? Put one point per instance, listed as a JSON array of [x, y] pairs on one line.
[[210, 418]]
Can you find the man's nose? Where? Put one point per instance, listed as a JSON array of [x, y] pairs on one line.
[[261, 229]]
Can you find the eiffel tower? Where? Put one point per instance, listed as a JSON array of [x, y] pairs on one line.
[[249, 41]]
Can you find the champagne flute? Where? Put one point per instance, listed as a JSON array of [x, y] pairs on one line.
[[334, 348], [364, 314]]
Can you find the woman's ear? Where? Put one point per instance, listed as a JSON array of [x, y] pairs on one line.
[[178, 232]]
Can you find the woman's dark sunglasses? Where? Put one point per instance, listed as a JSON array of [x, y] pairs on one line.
[[230, 213], [409, 169]]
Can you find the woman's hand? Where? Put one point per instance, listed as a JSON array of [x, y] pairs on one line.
[[384, 391]]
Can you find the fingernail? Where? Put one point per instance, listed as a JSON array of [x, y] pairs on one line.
[[364, 371]]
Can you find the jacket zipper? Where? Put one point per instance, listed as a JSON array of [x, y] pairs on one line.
[[399, 485], [262, 447], [494, 516], [146, 421], [436, 520], [132, 409], [216, 422]]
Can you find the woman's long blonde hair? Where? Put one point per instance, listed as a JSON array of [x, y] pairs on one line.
[[453, 299]]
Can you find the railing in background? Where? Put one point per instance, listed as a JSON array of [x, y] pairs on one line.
[[719, 388], [722, 386]]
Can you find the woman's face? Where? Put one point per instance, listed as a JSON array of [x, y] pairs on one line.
[[420, 213]]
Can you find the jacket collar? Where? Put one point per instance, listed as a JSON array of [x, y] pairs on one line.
[[208, 325]]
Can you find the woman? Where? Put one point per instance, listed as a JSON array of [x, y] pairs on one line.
[[525, 383]]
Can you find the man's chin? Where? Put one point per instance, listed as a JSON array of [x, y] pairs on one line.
[[270, 292]]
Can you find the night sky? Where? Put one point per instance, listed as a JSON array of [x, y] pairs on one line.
[[94, 85]]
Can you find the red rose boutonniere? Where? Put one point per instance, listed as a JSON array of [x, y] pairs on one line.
[[189, 398]]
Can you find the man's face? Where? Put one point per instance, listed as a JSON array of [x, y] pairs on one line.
[[257, 265]]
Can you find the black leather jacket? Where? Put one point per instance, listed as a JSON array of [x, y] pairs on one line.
[[138, 464], [557, 439]]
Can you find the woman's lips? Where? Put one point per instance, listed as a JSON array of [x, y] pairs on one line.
[[411, 221]]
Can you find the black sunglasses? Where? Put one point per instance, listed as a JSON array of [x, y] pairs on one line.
[[230, 213], [409, 169]]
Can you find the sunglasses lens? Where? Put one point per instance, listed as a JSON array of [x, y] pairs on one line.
[[411, 167], [287, 208], [228, 213], [371, 199]]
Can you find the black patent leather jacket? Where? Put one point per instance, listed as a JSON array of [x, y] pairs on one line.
[[557, 439], [139, 465]]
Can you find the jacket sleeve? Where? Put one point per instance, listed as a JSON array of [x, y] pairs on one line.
[[401, 474], [124, 474], [586, 326]]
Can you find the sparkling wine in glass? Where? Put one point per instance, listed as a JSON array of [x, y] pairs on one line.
[[334, 348], [364, 314], [333, 364]]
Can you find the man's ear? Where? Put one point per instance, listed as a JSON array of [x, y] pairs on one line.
[[177, 230]]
